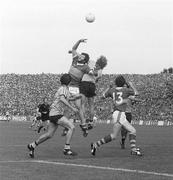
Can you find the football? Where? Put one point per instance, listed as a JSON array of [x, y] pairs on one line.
[[90, 18]]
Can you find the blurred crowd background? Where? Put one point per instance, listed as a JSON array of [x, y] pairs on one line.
[[21, 94]]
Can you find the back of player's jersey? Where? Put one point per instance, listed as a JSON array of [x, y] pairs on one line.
[[120, 97]]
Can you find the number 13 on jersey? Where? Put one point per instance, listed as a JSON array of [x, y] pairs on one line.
[[118, 99]]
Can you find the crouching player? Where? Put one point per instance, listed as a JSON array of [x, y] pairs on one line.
[[120, 95], [57, 117], [43, 115]]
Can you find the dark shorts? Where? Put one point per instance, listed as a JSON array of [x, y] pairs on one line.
[[128, 116], [43, 117], [87, 88], [54, 119]]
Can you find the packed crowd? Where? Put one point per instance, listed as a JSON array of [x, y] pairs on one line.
[[20, 94]]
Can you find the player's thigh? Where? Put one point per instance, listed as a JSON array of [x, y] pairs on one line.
[[116, 129], [78, 103], [129, 127], [66, 123], [52, 127]]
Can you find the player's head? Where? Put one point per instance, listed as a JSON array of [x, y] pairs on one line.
[[65, 79], [120, 81], [86, 57], [83, 58]]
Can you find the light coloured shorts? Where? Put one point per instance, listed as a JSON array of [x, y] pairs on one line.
[[119, 117]]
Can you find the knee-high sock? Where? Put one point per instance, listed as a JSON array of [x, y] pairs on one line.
[[104, 140]]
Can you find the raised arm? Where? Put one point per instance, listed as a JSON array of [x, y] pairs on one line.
[[134, 88], [74, 48]]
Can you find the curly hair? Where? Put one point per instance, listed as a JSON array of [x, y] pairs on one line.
[[101, 62], [120, 81], [86, 57], [65, 79]]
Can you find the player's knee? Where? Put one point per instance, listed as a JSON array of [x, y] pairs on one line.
[[72, 127], [133, 131], [113, 136]]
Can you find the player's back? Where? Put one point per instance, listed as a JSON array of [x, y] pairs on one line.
[[120, 97]]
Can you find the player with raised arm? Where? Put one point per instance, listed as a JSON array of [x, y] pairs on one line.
[[120, 95], [78, 68], [57, 117]]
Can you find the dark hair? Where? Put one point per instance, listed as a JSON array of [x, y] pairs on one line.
[[65, 79], [86, 57], [120, 81]]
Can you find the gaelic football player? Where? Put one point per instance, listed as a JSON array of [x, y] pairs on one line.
[[78, 68], [43, 114], [87, 86], [120, 95], [57, 117]]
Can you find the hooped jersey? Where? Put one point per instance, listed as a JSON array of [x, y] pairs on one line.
[[120, 97], [77, 70]]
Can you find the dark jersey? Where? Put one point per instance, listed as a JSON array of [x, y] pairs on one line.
[[44, 109], [120, 97]]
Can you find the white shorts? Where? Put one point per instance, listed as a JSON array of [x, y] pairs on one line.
[[74, 90], [119, 117]]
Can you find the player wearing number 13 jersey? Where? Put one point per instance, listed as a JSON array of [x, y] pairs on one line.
[[120, 95]]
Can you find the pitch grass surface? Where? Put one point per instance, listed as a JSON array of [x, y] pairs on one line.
[[110, 162]]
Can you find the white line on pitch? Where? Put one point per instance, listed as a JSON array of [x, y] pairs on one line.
[[93, 167]]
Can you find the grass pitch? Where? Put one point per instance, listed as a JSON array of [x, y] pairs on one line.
[[110, 162]]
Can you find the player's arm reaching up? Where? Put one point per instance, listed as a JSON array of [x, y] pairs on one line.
[[134, 88], [74, 48]]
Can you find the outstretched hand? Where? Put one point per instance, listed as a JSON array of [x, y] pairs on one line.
[[83, 40]]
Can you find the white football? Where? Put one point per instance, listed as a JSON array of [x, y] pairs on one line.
[[90, 18]]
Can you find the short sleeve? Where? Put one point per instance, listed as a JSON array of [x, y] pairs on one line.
[[63, 92]]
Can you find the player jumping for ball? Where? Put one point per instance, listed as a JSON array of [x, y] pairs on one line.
[[78, 68]]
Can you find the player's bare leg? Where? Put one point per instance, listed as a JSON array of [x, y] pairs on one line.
[[51, 130], [80, 103], [132, 139], [68, 124], [106, 139]]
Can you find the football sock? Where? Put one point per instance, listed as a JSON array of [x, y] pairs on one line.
[[132, 139], [34, 144], [123, 140], [67, 146], [104, 140]]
